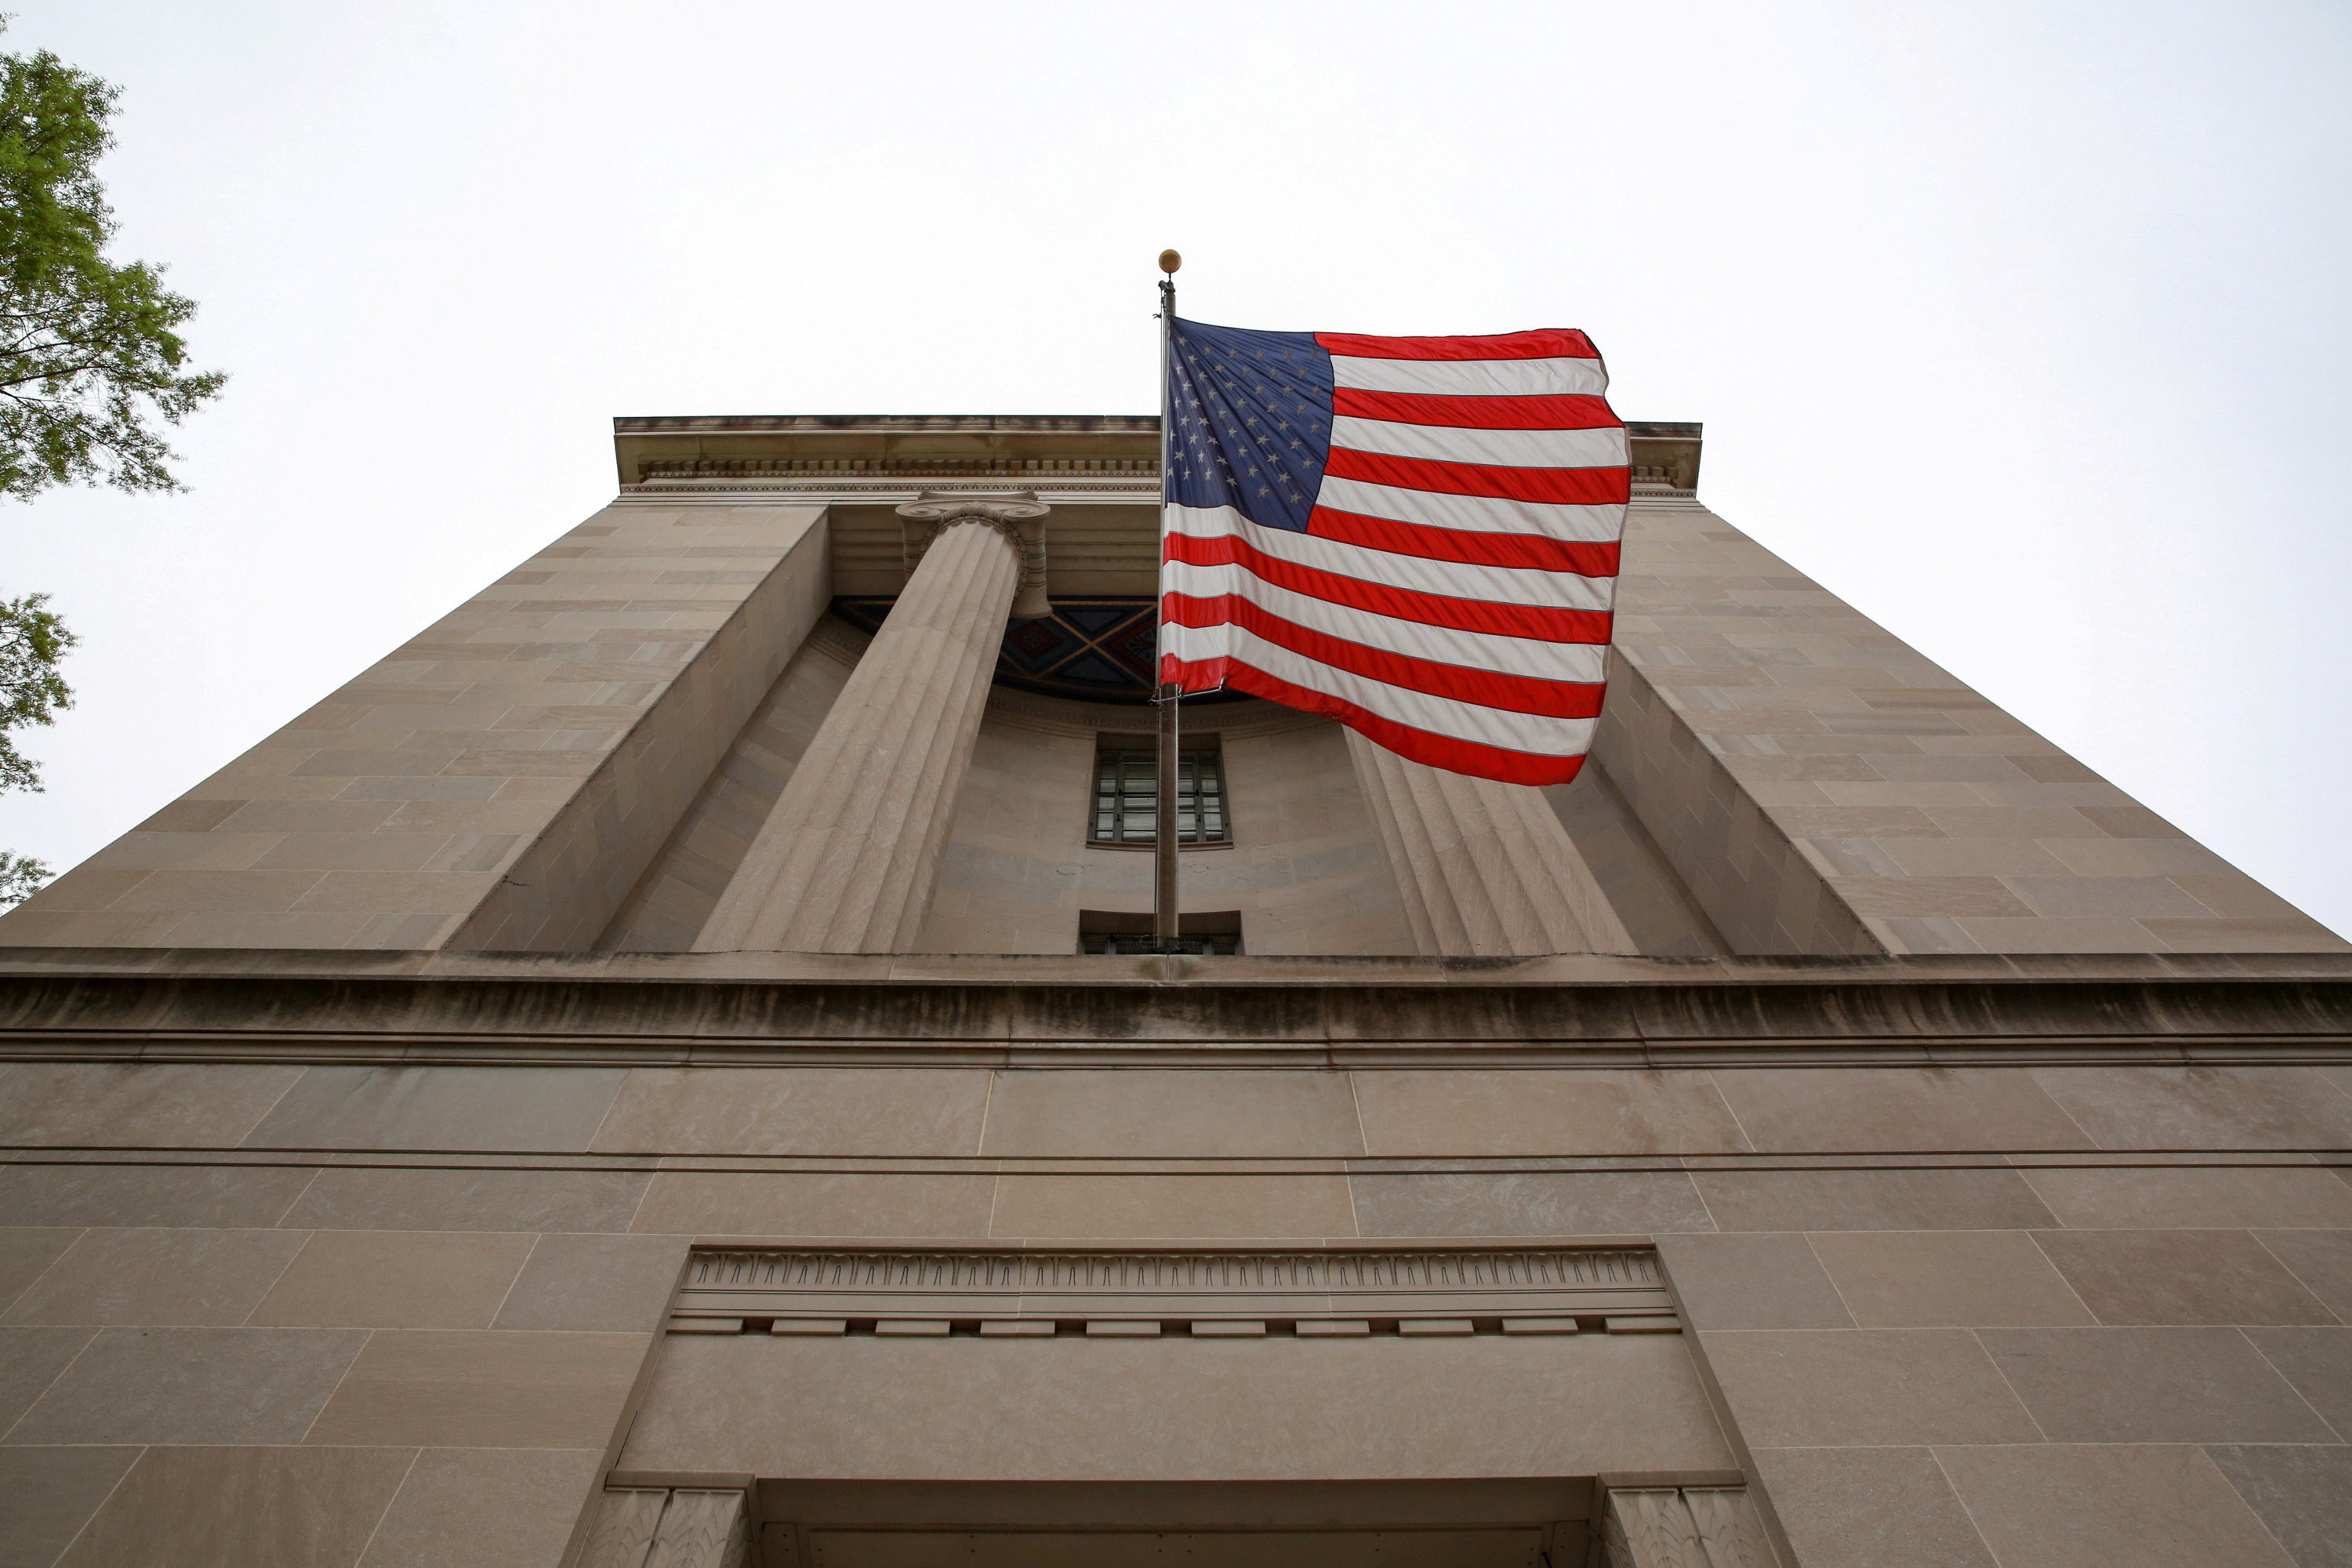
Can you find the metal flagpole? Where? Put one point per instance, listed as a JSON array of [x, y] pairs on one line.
[[1165, 926]]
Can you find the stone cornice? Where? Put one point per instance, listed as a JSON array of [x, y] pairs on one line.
[[795, 1008], [1578, 970], [891, 488], [784, 452], [923, 474], [1491, 1290], [892, 424], [925, 450], [890, 491]]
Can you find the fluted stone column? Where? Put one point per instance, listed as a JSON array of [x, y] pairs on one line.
[[849, 856], [1486, 868]]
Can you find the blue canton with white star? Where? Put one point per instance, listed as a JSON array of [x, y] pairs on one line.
[[1251, 427]]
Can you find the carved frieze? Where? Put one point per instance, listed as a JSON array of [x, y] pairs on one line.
[[1303, 1292]]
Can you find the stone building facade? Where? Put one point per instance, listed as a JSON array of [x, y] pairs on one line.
[[647, 1075]]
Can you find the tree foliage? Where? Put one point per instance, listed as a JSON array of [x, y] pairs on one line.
[[33, 638], [91, 361], [21, 877], [92, 364]]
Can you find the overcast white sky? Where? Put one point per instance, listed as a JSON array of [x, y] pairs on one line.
[[2025, 327]]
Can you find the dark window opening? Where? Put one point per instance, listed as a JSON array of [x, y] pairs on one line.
[[1127, 786], [1112, 932], [1500, 1523]]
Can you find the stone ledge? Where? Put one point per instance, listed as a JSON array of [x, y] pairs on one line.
[[1310, 970], [1265, 1284], [261, 1005]]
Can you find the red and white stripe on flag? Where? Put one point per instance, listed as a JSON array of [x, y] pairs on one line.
[[1451, 592]]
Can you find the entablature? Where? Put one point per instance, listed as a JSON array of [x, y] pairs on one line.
[[868, 455]]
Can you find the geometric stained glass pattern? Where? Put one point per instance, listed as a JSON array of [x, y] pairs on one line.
[[1094, 650]]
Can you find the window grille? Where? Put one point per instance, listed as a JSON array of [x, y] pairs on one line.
[[1201, 945], [1127, 788]]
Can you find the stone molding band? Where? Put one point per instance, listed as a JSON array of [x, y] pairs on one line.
[[1437, 1291], [681, 1009], [888, 491], [30, 1156], [1319, 1271]]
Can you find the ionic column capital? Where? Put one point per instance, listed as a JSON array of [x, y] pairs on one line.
[[1018, 515]]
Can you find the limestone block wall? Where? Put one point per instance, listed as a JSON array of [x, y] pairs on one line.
[[1306, 847], [564, 890], [343, 1314], [499, 782], [1749, 881], [214, 1357], [1011, 878], [1304, 870], [1781, 747], [2060, 1336], [1641, 884]]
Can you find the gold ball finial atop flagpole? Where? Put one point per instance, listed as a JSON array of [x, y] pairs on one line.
[[1169, 261]]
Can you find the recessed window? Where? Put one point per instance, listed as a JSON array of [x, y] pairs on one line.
[[1127, 786], [1125, 932]]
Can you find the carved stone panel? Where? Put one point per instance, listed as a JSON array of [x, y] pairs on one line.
[[684, 1527], [1516, 1292], [1689, 1527]]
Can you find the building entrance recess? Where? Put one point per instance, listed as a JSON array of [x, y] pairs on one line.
[[1329, 1524], [884, 1409], [1581, 1522]]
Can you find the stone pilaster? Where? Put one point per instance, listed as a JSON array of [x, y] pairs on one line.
[[1486, 869], [847, 859]]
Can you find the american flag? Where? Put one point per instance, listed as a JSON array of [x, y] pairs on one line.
[[1415, 536]]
